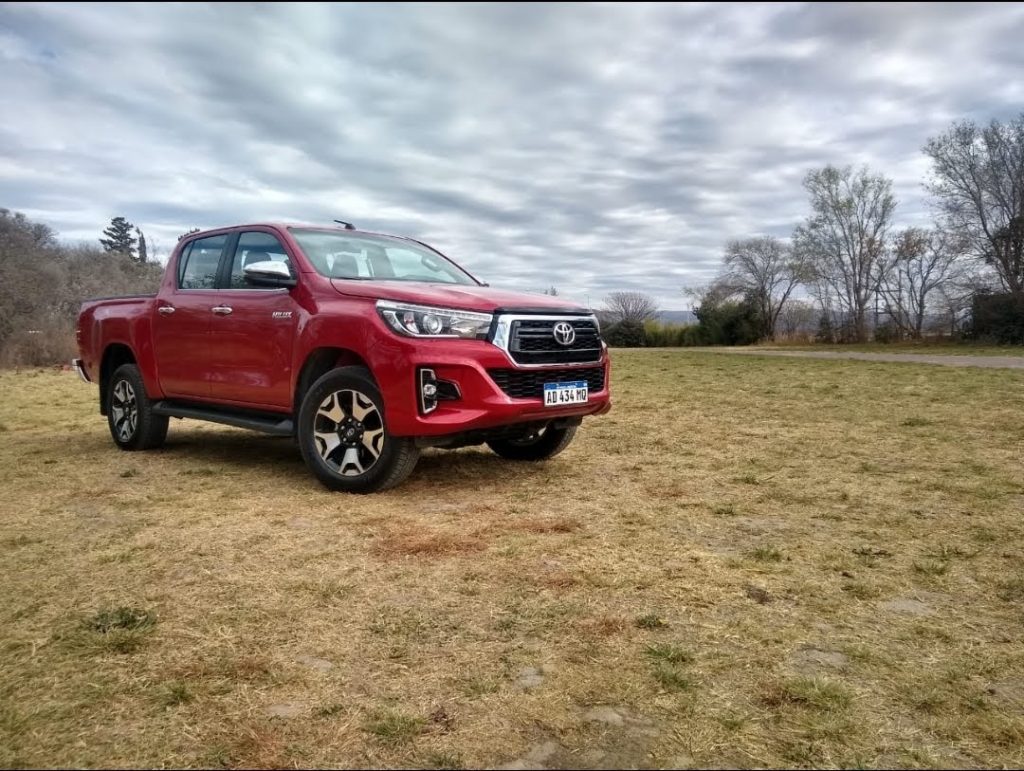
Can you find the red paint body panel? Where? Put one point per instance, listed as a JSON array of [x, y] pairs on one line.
[[253, 356], [469, 298], [181, 341]]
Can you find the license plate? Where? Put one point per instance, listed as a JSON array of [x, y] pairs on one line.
[[557, 394]]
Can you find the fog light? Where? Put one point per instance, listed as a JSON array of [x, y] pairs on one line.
[[433, 390], [428, 391]]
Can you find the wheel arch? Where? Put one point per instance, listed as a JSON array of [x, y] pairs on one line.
[[319, 362], [114, 355]]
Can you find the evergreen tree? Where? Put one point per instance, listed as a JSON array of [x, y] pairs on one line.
[[188, 233], [143, 252], [119, 237]]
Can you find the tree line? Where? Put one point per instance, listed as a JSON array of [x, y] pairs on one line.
[[847, 273], [43, 282]]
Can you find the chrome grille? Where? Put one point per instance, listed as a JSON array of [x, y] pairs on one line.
[[532, 341]]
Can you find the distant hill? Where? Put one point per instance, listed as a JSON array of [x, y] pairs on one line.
[[677, 317]]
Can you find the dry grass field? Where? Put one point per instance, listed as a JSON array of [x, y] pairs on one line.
[[930, 347], [748, 562]]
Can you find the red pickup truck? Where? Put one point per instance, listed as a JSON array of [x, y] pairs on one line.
[[364, 347]]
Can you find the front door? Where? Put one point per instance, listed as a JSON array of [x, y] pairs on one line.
[[253, 331], [182, 318]]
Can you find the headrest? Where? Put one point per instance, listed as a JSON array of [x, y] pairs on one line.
[[345, 266]]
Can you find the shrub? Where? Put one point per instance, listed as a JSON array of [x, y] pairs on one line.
[[660, 335], [730, 322], [887, 332], [625, 334], [42, 284], [999, 317]]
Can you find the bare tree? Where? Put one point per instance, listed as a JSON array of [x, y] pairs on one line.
[[978, 183], [766, 270], [629, 306], [955, 297], [922, 262], [844, 240], [797, 319]]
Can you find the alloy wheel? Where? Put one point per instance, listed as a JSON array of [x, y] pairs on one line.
[[349, 432], [125, 409]]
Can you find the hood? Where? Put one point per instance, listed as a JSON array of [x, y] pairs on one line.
[[462, 297]]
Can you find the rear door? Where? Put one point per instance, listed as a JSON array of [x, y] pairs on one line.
[[181, 326], [253, 329]]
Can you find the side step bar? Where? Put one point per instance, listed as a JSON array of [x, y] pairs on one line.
[[267, 423]]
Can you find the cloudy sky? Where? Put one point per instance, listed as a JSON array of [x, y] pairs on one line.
[[589, 148]]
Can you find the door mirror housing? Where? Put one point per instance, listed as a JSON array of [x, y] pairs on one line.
[[269, 273]]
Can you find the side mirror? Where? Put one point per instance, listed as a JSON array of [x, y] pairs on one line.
[[268, 273]]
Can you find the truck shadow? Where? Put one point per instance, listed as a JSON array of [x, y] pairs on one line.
[[279, 456], [239, 451]]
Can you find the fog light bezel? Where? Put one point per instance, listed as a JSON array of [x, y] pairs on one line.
[[443, 390]]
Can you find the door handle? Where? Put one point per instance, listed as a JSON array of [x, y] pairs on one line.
[[166, 310], [221, 310]]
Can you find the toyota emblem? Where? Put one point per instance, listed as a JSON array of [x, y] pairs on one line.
[[564, 333]]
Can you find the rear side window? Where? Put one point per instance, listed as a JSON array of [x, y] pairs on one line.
[[256, 247], [199, 264]]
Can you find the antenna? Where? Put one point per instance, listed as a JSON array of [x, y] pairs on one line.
[[348, 225]]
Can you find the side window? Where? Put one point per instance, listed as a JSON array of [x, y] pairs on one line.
[[256, 247], [201, 262], [182, 262]]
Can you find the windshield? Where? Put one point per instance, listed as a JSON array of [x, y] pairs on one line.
[[344, 255]]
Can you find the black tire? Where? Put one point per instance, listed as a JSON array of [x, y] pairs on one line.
[[537, 446], [344, 407], [133, 424]]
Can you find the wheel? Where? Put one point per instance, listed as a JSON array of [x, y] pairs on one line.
[[342, 436], [133, 425], [536, 445]]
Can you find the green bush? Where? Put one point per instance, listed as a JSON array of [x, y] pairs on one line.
[[660, 335], [625, 334], [887, 332], [999, 317], [731, 322], [692, 335]]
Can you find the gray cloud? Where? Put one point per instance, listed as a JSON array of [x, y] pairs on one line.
[[589, 147]]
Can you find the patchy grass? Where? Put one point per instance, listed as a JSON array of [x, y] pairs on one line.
[[413, 542], [1011, 590], [931, 567], [766, 554], [651, 621], [811, 692], [217, 607], [394, 728], [120, 619], [670, 653], [914, 422], [175, 694], [113, 630], [671, 678]]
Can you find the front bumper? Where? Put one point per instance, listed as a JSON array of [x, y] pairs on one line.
[[483, 404], [77, 366]]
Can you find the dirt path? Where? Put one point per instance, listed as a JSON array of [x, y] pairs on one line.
[[1000, 362]]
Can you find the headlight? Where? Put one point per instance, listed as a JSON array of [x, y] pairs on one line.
[[424, 321]]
